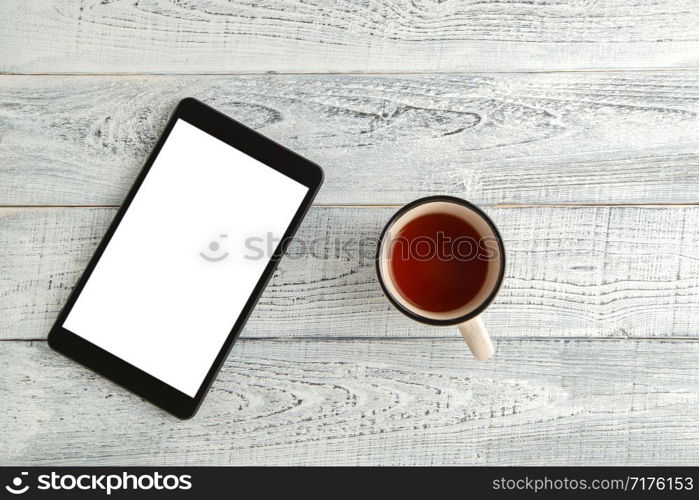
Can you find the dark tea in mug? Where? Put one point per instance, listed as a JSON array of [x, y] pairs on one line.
[[439, 262]]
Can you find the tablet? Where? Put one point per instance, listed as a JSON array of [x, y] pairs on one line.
[[186, 258]]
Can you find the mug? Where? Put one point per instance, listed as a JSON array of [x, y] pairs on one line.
[[491, 267]]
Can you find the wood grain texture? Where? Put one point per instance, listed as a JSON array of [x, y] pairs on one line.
[[327, 373], [574, 138], [96, 36], [385, 402], [613, 272]]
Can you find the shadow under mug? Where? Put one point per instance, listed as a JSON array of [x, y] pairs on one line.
[[467, 316]]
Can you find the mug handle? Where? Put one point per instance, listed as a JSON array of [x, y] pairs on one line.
[[477, 338]]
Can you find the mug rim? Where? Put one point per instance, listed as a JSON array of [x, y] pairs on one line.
[[418, 317]]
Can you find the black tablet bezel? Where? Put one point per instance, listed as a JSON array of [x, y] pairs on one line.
[[128, 376]]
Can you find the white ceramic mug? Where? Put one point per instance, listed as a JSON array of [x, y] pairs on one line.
[[466, 316]]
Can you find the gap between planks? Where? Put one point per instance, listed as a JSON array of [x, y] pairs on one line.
[[548, 71], [384, 338], [398, 205]]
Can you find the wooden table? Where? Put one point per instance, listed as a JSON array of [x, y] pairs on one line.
[[574, 123]]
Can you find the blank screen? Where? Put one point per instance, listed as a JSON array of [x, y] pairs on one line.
[[185, 258]]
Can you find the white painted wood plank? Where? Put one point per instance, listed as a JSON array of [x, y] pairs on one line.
[[566, 138], [93, 36], [571, 272], [383, 402]]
